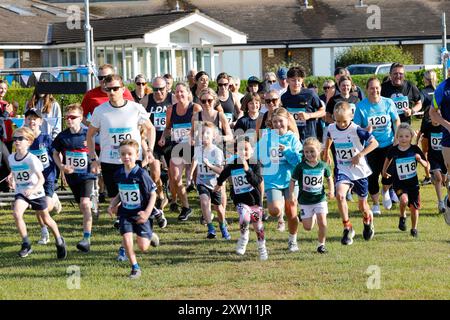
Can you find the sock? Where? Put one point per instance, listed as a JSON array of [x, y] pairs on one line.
[[135, 266], [347, 224], [26, 240], [44, 230], [222, 224], [321, 244], [59, 241], [293, 237], [87, 236], [210, 226]]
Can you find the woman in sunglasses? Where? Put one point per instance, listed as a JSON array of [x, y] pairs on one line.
[[264, 121], [229, 101], [141, 91]]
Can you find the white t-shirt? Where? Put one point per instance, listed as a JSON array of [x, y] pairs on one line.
[[25, 174], [276, 86], [116, 125], [205, 175]]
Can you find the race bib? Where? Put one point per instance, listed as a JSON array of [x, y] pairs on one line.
[[344, 153], [378, 122], [313, 180], [400, 103], [205, 173], [295, 113], [159, 121], [229, 116], [276, 155], [22, 175], [240, 183], [406, 168], [78, 160], [130, 196], [436, 139], [42, 154], [181, 132], [116, 136], [353, 108]]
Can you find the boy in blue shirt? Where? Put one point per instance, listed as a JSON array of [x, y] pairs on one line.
[[136, 200]]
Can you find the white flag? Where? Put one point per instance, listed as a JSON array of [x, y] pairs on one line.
[[37, 75], [54, 73], [25, 78]]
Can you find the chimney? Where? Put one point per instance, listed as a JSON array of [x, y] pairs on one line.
[[361, 4]]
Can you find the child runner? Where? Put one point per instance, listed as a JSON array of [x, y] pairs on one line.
[[71, 143], [136, 200], [29, 180], [432, 133], [246, 177], [404, 157], [352, 168], [310, 174], [42, 148], [209, 159], [279, 152]]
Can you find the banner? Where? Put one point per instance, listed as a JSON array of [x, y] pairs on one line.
[[55, 73], [37, 75], [18, 121], [83, 71], [25, 78], [9, 79]]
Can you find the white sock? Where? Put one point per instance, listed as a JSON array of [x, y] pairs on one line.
[[293, 237]]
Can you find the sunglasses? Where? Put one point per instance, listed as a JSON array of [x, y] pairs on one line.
[[204, 101], [141, 83], [71, 117], [222, 84], [273, 100], [159, 89], [109, 89], [101, 78], [21, 138], [271, 81], [326, 88]]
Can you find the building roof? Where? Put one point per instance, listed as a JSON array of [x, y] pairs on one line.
[[264, 21]]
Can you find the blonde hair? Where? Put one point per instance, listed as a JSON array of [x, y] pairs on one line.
[[130, 142], [342, 108], [26, 132], [431, 76], [280, 112], [405, 126], [314, 142], [74, 107]]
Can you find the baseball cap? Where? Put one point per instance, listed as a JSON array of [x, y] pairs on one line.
[[282, 73], [33, 112], [253, 79]]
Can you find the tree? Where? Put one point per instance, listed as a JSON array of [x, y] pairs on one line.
[[373, 54]]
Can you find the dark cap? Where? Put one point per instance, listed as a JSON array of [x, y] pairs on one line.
[[33, 112], [253, 79], [282, 73]]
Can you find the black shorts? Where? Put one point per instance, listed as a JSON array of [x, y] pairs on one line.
[[49, 188], [81, 189], [437, 164], [128, 224], [216, 197], [160, 152], [108, 171], [36, 204], [413, 195]]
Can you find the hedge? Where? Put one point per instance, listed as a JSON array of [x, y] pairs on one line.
[[21, 95]]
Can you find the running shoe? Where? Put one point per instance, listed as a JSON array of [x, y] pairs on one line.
[[25, 250], [402, 223], [426, 181], [45, 238], [281, 226], [61, 251], [368, 231], [441, 207], [174, 207], [154, 240], [225, 234], [161, 219], [185, 213], [387, 202], [84, 245], [135, 274], [122, 256], [242, 244], [347, 236], [414, 233], [262, 250], [321, 249], [293, 246], [376, 209]]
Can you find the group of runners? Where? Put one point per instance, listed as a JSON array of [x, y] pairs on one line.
[[279, 140]]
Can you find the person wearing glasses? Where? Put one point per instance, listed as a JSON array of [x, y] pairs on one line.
[[228, 100], [157, 105], [269, 79], [116, 120], [141, 91], [281, 85], [201, 82], [406, 96], [303, 104], [179, 126], [328, 90], [71, 144]]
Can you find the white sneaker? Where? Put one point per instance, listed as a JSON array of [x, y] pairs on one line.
[[376, 209], [387, 202], [262, 250], [154, 240], [441, 206], [293, 246], [281, 226], [242, 244], [57, 207], [45, 238]]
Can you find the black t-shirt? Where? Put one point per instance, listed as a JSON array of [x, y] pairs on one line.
[[427, 94], [403, 167], [352, 100], [404, 96], [434, 136]]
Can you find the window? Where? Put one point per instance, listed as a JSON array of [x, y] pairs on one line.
[[11, 59]]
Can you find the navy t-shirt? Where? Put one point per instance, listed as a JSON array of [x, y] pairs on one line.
[[134, 190], [42, 148], [306, 101], [74, 148]]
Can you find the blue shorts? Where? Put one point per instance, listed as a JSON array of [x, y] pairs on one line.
[[49, 188], [280, 194], [128, 224], [36, 204], [360, 186]]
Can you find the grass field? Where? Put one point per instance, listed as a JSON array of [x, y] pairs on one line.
[[189, 266]]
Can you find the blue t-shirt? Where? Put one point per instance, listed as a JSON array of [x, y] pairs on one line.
[[134, 190], [441, 101], [306, 101], [74, 148], [278, 166], [381, 116], [42, 148]]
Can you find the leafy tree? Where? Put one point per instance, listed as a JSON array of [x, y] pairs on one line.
[[373, 54]]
